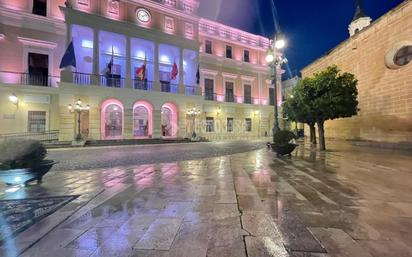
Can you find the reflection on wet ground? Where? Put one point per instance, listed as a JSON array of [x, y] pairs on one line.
[[349, 201]]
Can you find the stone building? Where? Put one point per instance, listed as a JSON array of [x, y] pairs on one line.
[[190, 63], [378, 54]]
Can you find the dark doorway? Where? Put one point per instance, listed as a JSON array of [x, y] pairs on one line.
[[38, 70], [40, 7]]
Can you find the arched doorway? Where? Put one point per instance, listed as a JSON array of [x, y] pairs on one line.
[[112, 119], [142, 120], [169, 127]]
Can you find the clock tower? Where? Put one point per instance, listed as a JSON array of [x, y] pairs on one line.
[[360, 20]]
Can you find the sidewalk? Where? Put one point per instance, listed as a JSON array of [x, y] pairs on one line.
[[349, 201]]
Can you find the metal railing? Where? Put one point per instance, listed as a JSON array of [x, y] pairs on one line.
[[45, 136], [247, 100], [210, 96], [170, 88], [28, 79], [230, 98], [190, 90], [80, 78], [146, 85], [112, 81]]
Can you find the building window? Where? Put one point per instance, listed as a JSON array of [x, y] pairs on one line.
[[229, 124], [403, 56], [208, 47], [38, 74], [248, 125], [229, 94], [247, 94], [40, 7], [36, 121], [229, 52], [210, 124], [113, 121], [246, 56], [209, 90]]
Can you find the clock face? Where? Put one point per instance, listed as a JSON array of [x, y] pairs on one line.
[[143, 15]]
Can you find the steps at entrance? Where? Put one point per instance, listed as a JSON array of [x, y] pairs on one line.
[[136, 142]]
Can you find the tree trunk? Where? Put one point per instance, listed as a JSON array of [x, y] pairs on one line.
[[312, 134], [321, 129]]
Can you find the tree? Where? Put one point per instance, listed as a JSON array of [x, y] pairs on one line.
[[334, 96], [298, 107]]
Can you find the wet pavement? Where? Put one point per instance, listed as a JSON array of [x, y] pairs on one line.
[[349, 201], [101, 157]]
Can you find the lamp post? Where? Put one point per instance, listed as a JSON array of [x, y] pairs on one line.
[[275, 61], [192, 113], [78, 109]]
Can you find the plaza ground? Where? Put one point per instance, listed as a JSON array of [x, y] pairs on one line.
[[348, 201]]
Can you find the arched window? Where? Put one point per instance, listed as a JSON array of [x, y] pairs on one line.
[[403, 56], [169, 120], [141, 121], [112, 119]]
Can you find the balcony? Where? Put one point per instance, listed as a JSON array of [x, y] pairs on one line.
[[28, 79], [210, 96], [229, 98]]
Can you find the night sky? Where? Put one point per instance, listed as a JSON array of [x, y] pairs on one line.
[[312, 27]]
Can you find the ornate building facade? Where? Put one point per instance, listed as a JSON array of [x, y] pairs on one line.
[[142, 67], [379, 54]]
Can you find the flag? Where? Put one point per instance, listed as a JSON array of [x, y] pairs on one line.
[[175, 71], [109, 68], [69, 57], [141, 72], [198, 74]]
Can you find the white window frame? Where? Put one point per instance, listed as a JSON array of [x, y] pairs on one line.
[[26, 118], [37, 47], [228, 77], [48, 10]]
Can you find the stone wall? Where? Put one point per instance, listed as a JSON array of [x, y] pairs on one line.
[[385, 94]]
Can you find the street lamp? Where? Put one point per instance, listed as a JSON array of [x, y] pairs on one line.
[[78, 108], [192, 113], [14, 99], [275, 61]]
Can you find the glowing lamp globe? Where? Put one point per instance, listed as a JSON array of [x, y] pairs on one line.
[[279, 44], [270, 58]]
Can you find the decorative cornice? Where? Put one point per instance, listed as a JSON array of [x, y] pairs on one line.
[[165, 8], [35, 42], [227, 75], [209, 72], [247, 78], [229, 34], [24, 19]]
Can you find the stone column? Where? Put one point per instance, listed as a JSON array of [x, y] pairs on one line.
[[96, 58], [181, 72], [157, 123], [156, 82], [128, 81]]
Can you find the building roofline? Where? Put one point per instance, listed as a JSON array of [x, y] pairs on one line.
[[347, 41]]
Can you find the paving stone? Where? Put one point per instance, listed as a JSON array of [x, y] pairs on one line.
[[264, 247], [160, 235]]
